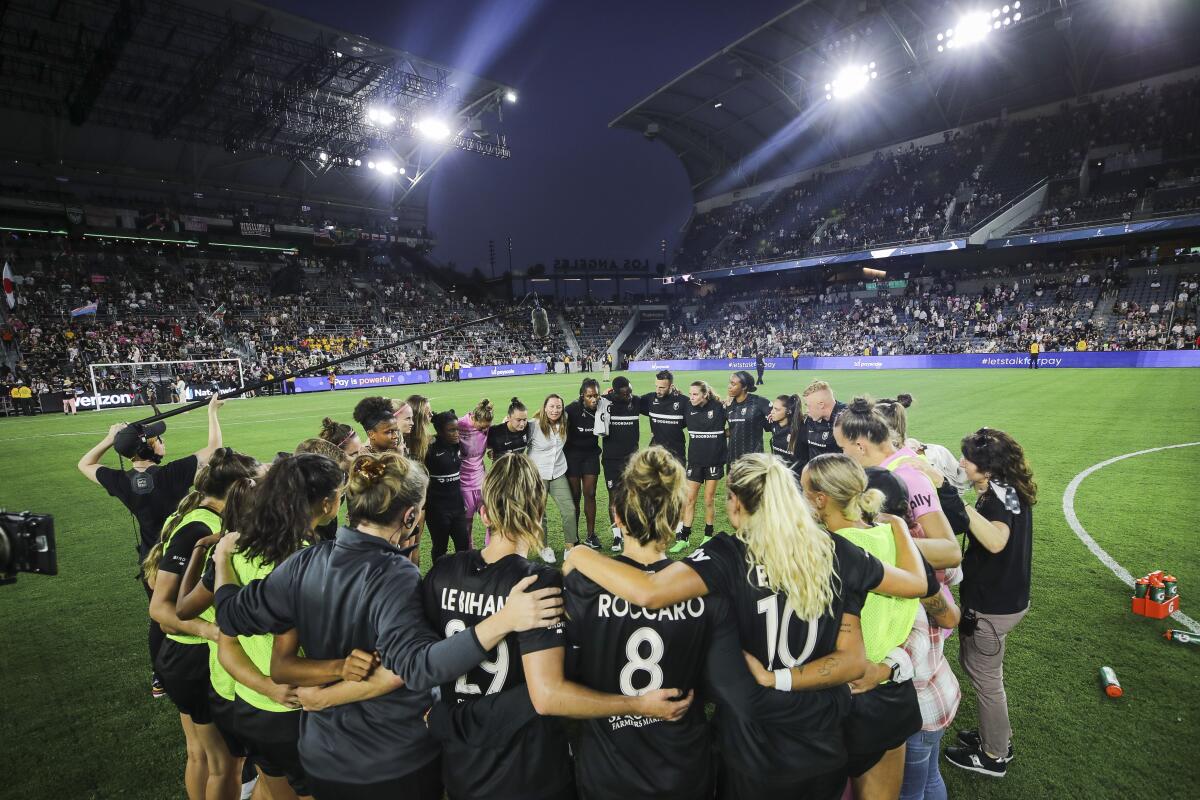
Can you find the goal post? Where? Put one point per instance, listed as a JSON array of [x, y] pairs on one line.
[[131, 383]]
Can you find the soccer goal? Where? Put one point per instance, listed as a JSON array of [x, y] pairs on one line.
[[151, 382]]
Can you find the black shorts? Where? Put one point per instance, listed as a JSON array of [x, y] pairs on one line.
[[879, 720], [613, 469], [272, 738], [183, 670], [222, 711], [580, 464], [424, 783], [699, 473], [735, 785]]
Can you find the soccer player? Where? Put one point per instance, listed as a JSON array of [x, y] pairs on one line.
[[821, 412], [795, 593], [779, 424], [621, 648], [885, 710], [511, 435], [523, 754], [665, 408], [472, 442], [864, 435], [183, 659], [416, 441], [624, 428], [405, 422], [705, 459], [748, 414], [358, 590], [583, 455], [445, 506], [341, 435], [376, 415]]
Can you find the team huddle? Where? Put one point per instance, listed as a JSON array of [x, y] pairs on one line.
[[320, 654]]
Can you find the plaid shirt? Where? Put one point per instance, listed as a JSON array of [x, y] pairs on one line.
[[937, 688]]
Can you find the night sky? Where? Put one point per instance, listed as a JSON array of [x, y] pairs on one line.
[[574, 188]]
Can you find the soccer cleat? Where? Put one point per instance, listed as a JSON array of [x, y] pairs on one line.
[[970, 738], [679, 546], [547, 554], [156, 687], [975, 760], [617, 543], [593, 542]]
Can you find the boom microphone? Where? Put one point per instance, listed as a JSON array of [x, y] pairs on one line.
[[540, 322]]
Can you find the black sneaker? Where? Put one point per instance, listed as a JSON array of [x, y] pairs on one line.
[[156, 687], [971, 739], [975, 760], [617, 543], [593, 542]]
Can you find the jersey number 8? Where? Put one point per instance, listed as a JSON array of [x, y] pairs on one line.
[[777, 635], [637, 663], [498, 669]]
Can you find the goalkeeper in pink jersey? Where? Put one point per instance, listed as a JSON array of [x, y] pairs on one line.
[[472, 435]]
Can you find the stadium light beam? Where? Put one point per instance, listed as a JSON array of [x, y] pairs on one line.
[[381, 117], [972, 28], [850, 81]]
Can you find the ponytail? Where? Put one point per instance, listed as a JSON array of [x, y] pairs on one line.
[[484, 412], [844, 482], [650, 496], [782, 536]]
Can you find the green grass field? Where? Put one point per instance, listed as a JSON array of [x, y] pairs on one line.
[[77, 719]]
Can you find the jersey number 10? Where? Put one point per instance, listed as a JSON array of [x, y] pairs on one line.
[[777, 635]]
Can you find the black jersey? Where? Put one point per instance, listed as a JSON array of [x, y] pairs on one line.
[[459, 592], [501, 440], [706, 432], [580, 424], [443, 462], [747, 422], [795, 743], [668, 420], [819, 434], [780, 434], [624, 428], [621, 648]]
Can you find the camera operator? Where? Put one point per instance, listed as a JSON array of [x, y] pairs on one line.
[[150, 489]]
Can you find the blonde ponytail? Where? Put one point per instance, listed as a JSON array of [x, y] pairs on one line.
[[844, 482], [782, 536]]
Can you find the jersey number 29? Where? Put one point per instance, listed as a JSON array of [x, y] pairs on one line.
[[498, 669]]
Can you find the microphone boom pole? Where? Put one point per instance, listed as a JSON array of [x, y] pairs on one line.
[[520, 308]]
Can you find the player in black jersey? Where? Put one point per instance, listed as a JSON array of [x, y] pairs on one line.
[[783, 409], [445, 511], [624, 428], [583, 455], [505, 748], [706, 458], [667, 409], [622, 648], [816, 420], [749, 416], [511, 435], [795, 593]]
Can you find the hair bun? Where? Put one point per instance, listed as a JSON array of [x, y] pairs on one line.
[[514, 400], [369, 469], [905, 400], [861, 406]]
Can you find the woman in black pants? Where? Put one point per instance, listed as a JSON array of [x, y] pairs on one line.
[[445, 511], [360, 592]]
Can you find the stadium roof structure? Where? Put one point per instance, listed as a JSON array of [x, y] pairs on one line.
[[762, 107], [229, 93]]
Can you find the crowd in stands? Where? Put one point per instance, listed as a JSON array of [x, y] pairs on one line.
[[920, 193], [1062, 306]]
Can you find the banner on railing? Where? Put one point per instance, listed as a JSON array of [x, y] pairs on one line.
[[501, 371], [363, 380], [1066, 360]]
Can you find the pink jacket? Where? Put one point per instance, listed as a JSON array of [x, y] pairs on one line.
[[471, 447]]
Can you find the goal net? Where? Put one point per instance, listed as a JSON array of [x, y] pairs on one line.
[[162, 382]]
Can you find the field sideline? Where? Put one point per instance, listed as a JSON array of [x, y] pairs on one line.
[[77, 719]]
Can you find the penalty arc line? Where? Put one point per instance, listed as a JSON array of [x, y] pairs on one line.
[[1092, 545]]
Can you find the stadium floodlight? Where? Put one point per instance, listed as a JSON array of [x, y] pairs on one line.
[[381, 117], [433, 128], [322, 156], [850, 81], [510, 96], [387, 167], [972, 28]]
